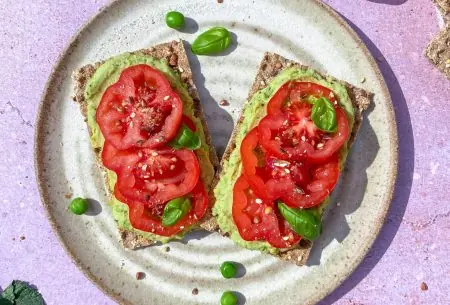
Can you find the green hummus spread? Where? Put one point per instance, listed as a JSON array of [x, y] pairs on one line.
[[255, 110], [107, 74]]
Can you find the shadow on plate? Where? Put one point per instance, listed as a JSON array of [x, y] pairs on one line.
[[194, 235], [349, 192], [404, 176], [220, 122], [240, 270], [241, 298], [190, 26], [389, 2], [95, 207]]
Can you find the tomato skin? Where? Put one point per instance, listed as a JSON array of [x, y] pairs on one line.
[[277, 102], [324, 179], [296, 91], [258, 221], [189, 123], [139, 110], [159, 175], [303, 150], [333, 145], [115, 159], [143, 217]]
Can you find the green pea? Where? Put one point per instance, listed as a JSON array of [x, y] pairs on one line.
[[228, 270], [175, 20], [79, 206], [228, 298]]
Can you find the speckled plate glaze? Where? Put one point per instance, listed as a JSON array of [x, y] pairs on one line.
[[304, 30]]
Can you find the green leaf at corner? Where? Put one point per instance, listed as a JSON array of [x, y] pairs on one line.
[[186, 138], [4, 301], [8, 293], [175, 210], [20, 293], [323, 115]]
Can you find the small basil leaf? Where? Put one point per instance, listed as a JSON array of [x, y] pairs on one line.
[[174, 210], [186, 138], [305, 222], [212, 41], [323, 115]]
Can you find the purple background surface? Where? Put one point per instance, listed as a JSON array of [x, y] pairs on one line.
[[414, 245]]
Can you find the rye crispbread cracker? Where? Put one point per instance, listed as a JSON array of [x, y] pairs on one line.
[[438, 51], [176, 57], [271, 65]]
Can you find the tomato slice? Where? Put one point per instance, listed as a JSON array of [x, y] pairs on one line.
[[157, 176], [300, 184], [267, 174], [189, 123], [139, 110], [288, 158], [148, 219], [293, 135], [323, 179], [251, 155], [257, 219], [114, 159], [295, 91]]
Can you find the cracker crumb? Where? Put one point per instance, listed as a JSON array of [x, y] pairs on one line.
[[278, 65], [424, 286], [68, 195], [140, 275], [195, 290], [173, 60], [224, 103]]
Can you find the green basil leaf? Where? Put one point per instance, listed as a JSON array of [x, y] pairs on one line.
[[323, 115], [5, 301], [20, 293], [186, 138], [305, 222], [212, 41], [174, 210]]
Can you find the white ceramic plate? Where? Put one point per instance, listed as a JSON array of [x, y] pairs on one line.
[[305, 30]]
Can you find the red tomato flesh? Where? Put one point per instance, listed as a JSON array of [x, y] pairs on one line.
[[139, 110], [287, 158], [256, 219], [293, 135], [157, 176], [148, 219]]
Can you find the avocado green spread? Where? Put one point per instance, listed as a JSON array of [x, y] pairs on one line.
[[255, 110], [107, 74]]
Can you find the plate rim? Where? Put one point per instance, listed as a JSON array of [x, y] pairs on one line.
[[38, 153]]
